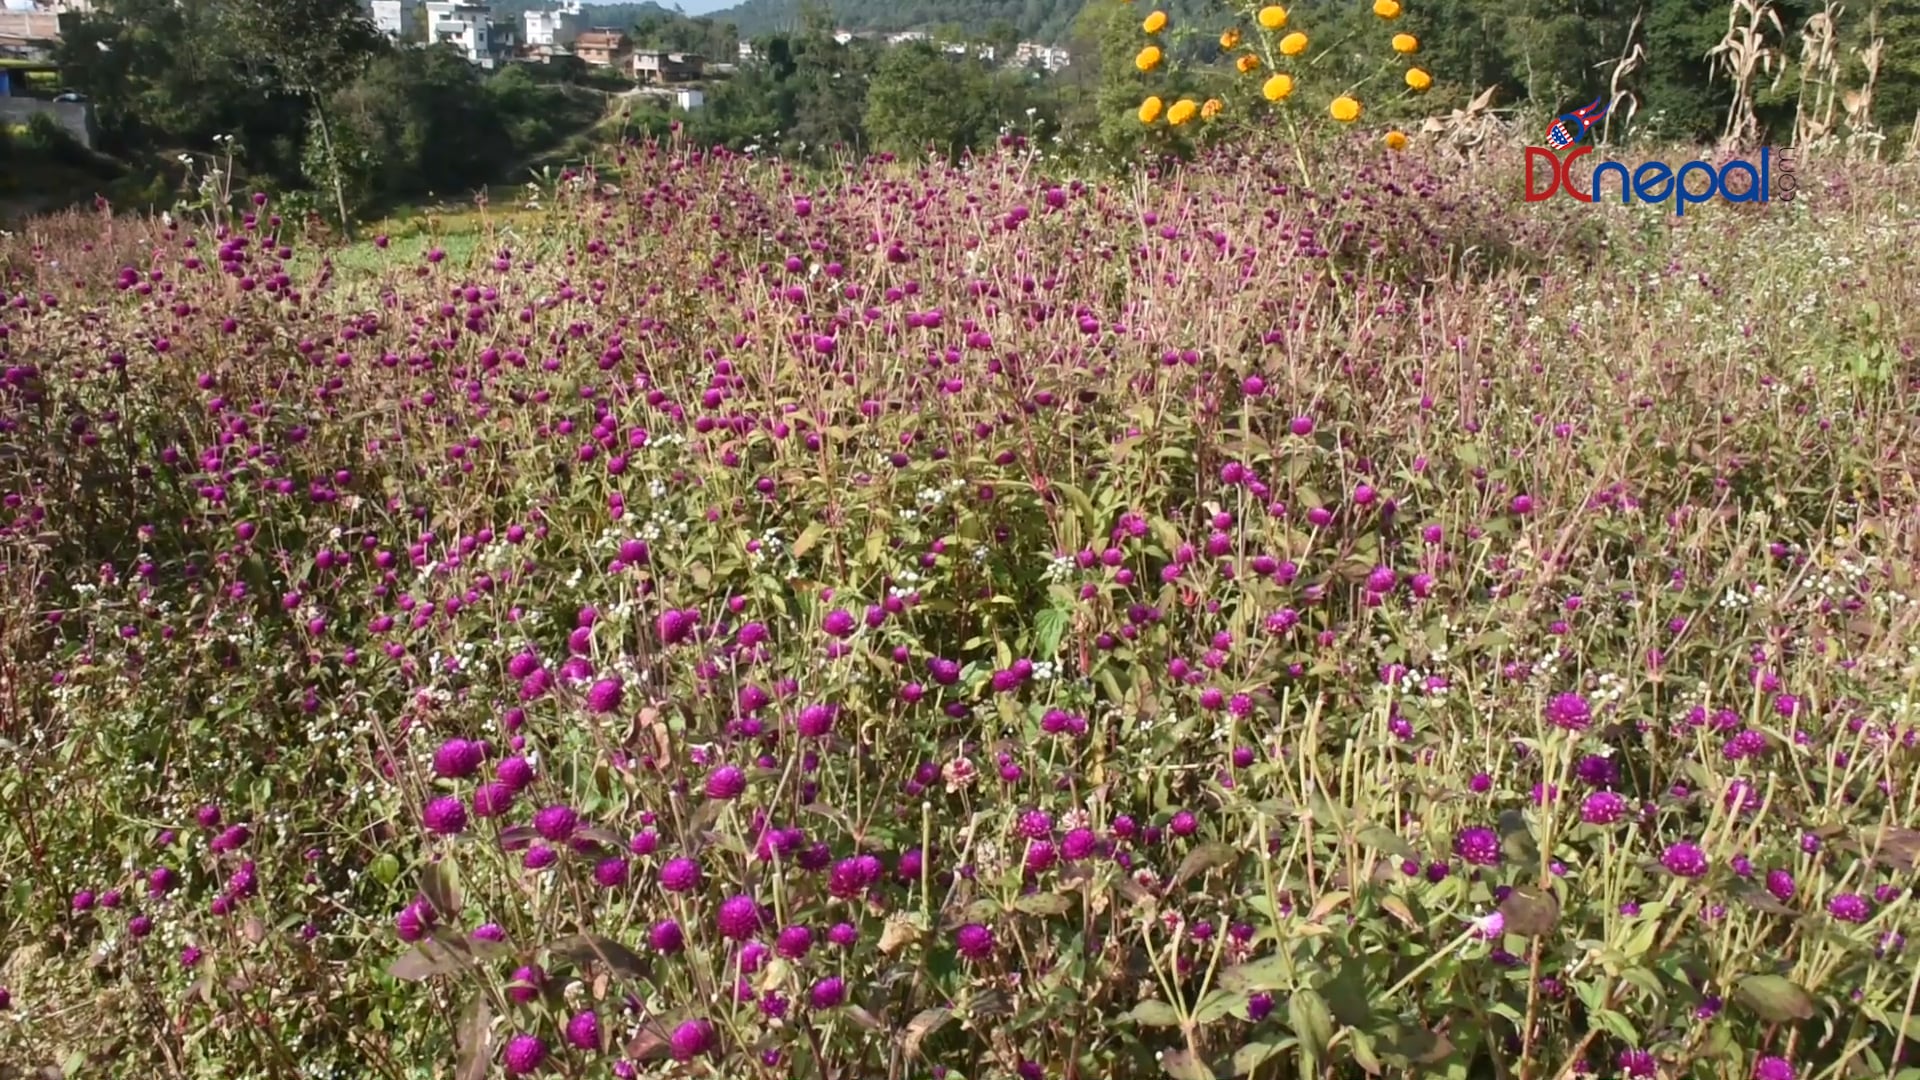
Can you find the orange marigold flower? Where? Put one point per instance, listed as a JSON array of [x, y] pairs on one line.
[[1230, 38], [1293, 44], [1278, 87], [1148, 59], [1387, 9], [1418, 79], [1212, 108], [1406, 43], [1273, 16], [1150, 110], [1182, 111], [1247, 62], [1345, 109], [1396, 140], [1155, 22]]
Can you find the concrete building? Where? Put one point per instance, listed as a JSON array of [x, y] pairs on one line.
[[561, 26], [398, 19], [603, 48], [650, 66], [465, 26]]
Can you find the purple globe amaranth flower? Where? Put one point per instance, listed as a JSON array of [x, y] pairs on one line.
[[974, 941], [516, 772], [1477, 845], [794, 942], [524, 1055], [611, 873], [1780, 885], [1569, 712], [605, 696], [583, 1031], [1684, 860], [492, 799], [1637, 1064], [458, 759], [839, 623], [815, 721], [828, 993], [726, 782], [690, 1040], [556, 823], [539, 857], [676, 626], [445, 816], [1850, 908], [1773, 1068], [680, 875], [666, 937], [738, 918], [526, 984], [1602, 808]]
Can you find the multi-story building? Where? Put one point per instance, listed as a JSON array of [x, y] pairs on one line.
[[559, 27], [467, 27], [398, 19], [603, 48]]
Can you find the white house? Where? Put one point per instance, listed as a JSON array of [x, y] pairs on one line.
[[560, 26], [467, 27], [689, 98], [396, 18]]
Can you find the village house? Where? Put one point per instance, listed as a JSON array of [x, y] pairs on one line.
[[654, 67], [603, 48]]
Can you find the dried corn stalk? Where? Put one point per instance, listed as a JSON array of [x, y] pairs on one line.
[[1744, 56]]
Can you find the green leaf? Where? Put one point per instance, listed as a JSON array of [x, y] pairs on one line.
[[1253, 1055], [1154, 1014], [1381, 838], [1048, 628], [808, 538], [440, 883], [385, 869], [425, 960], [1203, 858], [1044, 904], [473, 1042], [1774, 998], [1220, 1004], [1618, 1025], [1270, 973], [1363, 1054], [1311, 1021]]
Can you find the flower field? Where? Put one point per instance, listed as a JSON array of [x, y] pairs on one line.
[[936, 623]]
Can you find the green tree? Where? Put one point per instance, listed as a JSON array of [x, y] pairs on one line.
[[306, 48], [922, 96]]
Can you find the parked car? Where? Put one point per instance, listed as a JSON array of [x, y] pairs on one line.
[[70, 95]]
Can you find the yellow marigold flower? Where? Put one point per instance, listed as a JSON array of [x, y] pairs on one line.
[[1148, 59], [1247, 63], [1230, 38], [1396, 140], [1345, 109], [1150, 110], [1387, 9], [1155, 22], [1406, 43], [1418, 79], [1278, 87], [1182, 111], [1211, 109], [1273, 16], [1293, 44]]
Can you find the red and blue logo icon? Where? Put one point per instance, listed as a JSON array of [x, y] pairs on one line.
[[1570, 128]]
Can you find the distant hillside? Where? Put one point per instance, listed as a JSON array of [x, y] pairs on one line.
[[1034, 20]]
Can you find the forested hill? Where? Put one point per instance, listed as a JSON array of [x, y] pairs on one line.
[[1034, 20]]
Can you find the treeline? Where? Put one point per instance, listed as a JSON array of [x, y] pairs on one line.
[[319, 102], [369, 123]]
